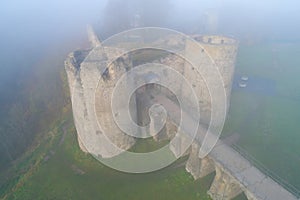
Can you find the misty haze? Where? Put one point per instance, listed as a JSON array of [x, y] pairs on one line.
[[211, 86]]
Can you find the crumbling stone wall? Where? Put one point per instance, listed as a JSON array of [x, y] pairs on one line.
[[84, 67]]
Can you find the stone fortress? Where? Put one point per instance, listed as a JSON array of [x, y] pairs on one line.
[[91, 105]]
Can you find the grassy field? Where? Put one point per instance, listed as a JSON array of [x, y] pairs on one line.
[[55, 168], [267, 117], [65, 172], [266, 120]]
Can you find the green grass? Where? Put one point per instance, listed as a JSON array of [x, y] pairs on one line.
[[55, 179], [147, 145], [22, 168], [268, 128], [33, 176], [269, 124]]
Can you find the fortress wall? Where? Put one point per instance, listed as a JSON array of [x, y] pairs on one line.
[[197, 76], [198, 167], [223, 51], [92, 37], [215, 40], [84, 68], [104, 115], [224, 187], [179, 143], [83, 79], [88, 76], [87, 73], [72, 65]]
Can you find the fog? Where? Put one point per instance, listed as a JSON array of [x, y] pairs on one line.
[[29, 28], [270, 19], [34, 22]]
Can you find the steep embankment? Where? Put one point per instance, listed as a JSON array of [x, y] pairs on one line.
[[31, 108]]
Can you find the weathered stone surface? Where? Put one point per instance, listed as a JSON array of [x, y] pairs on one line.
[[207, 167], [84, 69], [92, 81], [196, 166], [91, 94], [179, 145], [93, 39], [224, 187], [249, 196]]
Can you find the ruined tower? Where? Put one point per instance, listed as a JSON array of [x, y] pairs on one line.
[[92, 78]]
